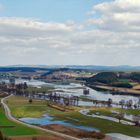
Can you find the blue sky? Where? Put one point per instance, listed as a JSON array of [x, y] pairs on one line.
[[60, 32], [48, 10]]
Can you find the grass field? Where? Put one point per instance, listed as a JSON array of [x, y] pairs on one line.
[[107, 110], [21, 108], [17, 129]]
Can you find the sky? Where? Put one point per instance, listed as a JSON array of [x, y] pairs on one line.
[[70, 32]]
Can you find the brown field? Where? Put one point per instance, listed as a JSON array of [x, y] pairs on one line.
[[116, 89], [137, 87], [75, 132]]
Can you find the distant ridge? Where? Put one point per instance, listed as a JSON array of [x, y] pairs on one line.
[[86, 67]]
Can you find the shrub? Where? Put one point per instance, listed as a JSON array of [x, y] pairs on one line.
[[91, 134], [30, 101]]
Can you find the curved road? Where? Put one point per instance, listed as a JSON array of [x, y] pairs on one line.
[[10, 117]]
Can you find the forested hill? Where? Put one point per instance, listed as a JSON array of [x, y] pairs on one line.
[[104, 77], [118, 79]]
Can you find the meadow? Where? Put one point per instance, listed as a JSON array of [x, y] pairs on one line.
[[20, 107], [10, 128]]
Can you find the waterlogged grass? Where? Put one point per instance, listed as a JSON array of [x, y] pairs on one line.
[[101, 124], [129, 111], [21, 108], [108, 110], [42, 89]]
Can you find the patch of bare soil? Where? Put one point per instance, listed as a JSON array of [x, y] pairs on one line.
[[2, 95], [74, 131], [137, 87]]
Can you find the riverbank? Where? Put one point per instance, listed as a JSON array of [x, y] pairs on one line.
[[116, 90]]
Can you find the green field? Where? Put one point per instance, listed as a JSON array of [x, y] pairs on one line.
[[108, 110], [21, 108], [17, 129]]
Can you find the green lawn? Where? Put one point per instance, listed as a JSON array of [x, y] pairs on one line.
[[17, 130], [21, 108]]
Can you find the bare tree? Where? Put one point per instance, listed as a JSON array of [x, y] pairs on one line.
[[120, 116], [136, 120], [109, 102], [122, 103]]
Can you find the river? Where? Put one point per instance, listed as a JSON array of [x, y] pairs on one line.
[[76, 89]]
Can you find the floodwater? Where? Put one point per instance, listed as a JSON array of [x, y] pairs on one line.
[[77, 90], [46, 120]]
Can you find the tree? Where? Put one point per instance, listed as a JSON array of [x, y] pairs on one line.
[[25, 86], [109, 102], [129, 104], [136, 120], [135, 106], [120, 116], [139, 102], [122, 103], [30, 100]]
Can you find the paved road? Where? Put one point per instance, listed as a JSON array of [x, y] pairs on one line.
[[10, 117]]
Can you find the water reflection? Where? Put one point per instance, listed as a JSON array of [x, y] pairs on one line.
[[46, 120], [77, 90]]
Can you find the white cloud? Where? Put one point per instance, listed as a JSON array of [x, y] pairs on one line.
[[118, 15], [118, 6], [111, 39]]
